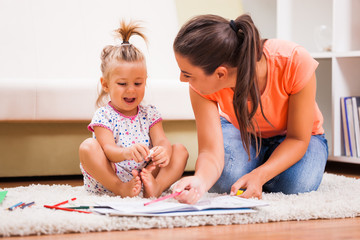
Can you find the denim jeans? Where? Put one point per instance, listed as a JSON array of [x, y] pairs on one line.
[[303, 176]]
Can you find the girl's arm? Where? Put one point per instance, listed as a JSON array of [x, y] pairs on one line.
[[292, 149], [210, 161], [159, 139], [115, 153]]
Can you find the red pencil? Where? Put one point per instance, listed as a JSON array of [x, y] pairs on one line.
[[64, 202], [66, 209], [163, 198]]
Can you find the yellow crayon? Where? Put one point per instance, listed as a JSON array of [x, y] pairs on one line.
[[239, 192]]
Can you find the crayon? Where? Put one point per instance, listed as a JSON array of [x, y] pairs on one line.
[[239, 192], [163, 198], [27, 205], [65, 209], [15, 206], [64, 202]]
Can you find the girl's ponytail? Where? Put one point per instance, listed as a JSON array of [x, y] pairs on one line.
[[124, 52]]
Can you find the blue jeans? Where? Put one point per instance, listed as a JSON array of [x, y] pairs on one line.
[[303, 176]]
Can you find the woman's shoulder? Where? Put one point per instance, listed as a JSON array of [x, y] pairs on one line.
[[281, 48]]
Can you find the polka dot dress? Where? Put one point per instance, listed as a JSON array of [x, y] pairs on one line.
[[127, 130]]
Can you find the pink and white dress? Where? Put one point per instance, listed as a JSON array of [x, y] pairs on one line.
[[127, 130]]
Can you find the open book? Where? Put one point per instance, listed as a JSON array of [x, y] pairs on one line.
[[217, 205]]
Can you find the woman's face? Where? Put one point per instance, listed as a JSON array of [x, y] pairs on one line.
[[196, 77]]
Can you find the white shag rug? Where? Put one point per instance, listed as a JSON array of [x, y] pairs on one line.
[[337, 197]]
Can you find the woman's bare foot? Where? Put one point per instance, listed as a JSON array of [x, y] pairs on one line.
[[131, 188], [151, 187]]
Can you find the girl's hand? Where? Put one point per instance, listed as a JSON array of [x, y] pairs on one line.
[[251, 182], [192, 189], [136, 152], [159, 156]]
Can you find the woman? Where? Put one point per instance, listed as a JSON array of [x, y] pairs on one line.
[[268, 134]]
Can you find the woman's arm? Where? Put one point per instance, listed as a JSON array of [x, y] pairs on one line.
[[115, 153], [210, 161], [292, 149]]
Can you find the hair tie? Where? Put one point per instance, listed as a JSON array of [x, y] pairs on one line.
[[233, 26], [125, 43]]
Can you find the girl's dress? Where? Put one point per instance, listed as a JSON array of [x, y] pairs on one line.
[[127, 130]]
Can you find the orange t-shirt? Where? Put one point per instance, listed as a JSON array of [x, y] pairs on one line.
[[290, 67]]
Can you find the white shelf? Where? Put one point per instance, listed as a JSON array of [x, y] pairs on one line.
[[322, 54], [347, 54], [344, 159], [338, 74]]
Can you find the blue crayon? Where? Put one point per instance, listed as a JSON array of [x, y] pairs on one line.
[[14, 206]]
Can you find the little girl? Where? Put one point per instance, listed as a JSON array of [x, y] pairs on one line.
[[114, 160]]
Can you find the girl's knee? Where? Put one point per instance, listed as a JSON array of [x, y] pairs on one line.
[[180, 150], [87, 144], [87, 147]]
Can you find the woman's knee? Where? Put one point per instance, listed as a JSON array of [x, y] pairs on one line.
[[294, 183], [306, 174]]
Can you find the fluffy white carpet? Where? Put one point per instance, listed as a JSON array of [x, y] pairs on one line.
[[337, 197]]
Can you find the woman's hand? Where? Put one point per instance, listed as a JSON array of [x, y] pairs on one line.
[[252, 184], [192, 189], [137, 152], [160, 156]]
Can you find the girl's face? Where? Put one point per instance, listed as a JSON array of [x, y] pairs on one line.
[[205, 84], [126, 86]]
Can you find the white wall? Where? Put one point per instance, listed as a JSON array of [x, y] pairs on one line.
[[263, 13], [62, 39]]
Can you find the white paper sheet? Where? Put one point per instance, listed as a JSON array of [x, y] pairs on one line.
[[219, 205]]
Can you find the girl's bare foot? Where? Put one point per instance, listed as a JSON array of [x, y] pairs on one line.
[[131, 188], [151, 187]]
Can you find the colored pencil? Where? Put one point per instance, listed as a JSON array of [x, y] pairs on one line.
[[149, 157], [163, 198], [66, 209], [14, 206], [148, 163], [64, 202], [27, 205], [21, 205], [239, 192], [88, 207]]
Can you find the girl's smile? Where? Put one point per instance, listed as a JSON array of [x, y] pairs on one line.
[[129, 100]]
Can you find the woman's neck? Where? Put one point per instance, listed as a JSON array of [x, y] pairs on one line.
[[261, 72]]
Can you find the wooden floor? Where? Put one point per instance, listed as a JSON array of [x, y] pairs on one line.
[[348, 228]]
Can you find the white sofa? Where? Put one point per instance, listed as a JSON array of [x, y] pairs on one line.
[[74, 99]]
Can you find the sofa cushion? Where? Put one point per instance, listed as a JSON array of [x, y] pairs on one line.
[[74, 99]]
